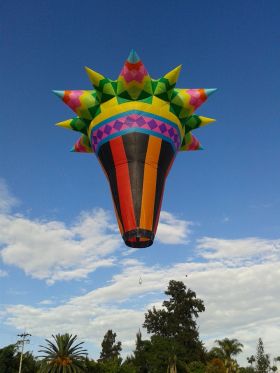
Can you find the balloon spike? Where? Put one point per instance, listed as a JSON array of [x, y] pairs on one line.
[[173, 75], [134, 82], [83, 145], [94, 77], [133, 57], [65, 124], [190, 142], [210, 91], [104, 87], [205, 121], [59, 94], [75, 124], [195, 121], [164, 87]]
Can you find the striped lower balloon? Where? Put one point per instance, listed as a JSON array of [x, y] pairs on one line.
[[136, 165]]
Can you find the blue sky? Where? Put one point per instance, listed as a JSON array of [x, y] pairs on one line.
[[61, 254]]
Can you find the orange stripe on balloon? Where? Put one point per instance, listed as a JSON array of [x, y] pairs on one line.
[[149, 183], [123, 183]]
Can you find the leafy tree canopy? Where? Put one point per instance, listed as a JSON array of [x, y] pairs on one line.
[[176, 321], [110, 348], [262, 359], [63, 355]]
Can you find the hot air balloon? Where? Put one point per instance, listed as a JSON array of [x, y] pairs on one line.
[[135, 125]]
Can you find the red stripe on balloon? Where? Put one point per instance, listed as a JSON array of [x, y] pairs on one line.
[[123, 184]]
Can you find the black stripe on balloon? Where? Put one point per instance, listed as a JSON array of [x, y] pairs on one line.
[[135, 145], [166, 156], [106, 158]]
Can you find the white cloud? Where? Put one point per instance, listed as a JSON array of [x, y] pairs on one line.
[[3, 273], [53, 251], [171, 230], [7, 201], [250, 249]]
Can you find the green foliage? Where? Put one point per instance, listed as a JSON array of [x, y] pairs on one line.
[[246, 370], [63, 355], [176, 321], [29, 363], [196, 367], [110, 348], [216, 365], [225, 352], [128, 366], [229, 347], [262, 359], [160, 354], [8, 361], [251, 359], [141, 354]]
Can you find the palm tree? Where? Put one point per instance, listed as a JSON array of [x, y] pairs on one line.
[[63, 356], [229, 348]]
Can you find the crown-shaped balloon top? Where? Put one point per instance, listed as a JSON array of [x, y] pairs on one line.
[[134, 84]]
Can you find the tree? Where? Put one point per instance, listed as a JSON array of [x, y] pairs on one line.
[[29, 363], [176, 322], [251, 360], [10, 357], [262, 359], [216, 365], [141, 354], [160, 354], [196, 367], [229, 348], [247, 370], [63, 355], [110, 348], [8, 361], [128, 366]]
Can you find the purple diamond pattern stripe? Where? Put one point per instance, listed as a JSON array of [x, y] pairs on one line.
[[162, 128], [135, 121], [107, 129]]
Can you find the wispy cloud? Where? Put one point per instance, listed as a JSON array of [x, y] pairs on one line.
[[7, 200], [52, 251], [3, 273], [250, 250], [171, 230]]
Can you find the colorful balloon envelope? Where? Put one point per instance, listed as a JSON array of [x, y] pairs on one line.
[[136, 125]]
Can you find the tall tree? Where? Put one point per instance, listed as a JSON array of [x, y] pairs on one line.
[[262, 359], [29, 363], [110, 348], [216, 365], [141, 354], [8, 361], [63, 355], [228, 349], [176, 321]]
